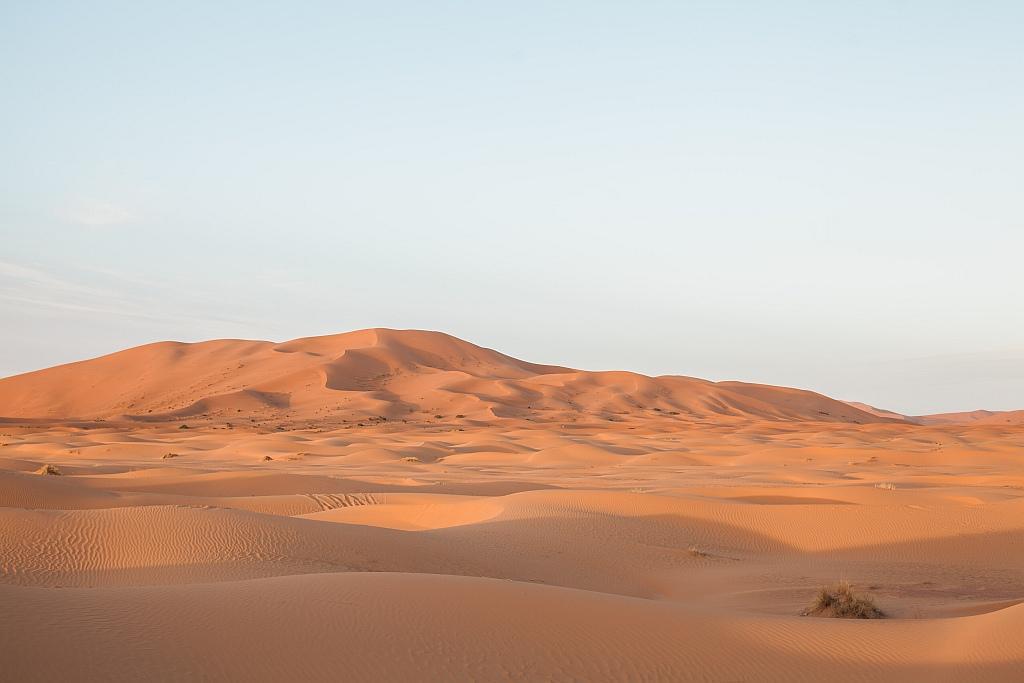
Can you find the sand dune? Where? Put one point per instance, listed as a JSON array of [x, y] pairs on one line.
[[990, 417], [419, 627], [394, 505], [1015, 417], [374, 375]]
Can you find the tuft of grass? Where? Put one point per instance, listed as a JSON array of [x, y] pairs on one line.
[[841, 602], [165, 456], [183, 427], [697, 552], [266, 458], [887, 485], [49, 471]]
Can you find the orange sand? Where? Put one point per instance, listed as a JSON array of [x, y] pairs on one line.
[[433, 510]]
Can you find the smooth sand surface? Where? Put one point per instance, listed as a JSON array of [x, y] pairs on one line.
[[471, 516]]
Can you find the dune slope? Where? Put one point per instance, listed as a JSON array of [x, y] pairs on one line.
[[436, 628]]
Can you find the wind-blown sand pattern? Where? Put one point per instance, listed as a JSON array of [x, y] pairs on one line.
[[433, 510]]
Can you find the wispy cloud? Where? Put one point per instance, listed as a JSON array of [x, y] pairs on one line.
[[93, 213], [103, 294]]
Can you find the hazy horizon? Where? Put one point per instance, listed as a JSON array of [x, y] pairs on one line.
[[818, 197]]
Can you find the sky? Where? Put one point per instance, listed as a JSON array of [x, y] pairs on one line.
[[820, 195]]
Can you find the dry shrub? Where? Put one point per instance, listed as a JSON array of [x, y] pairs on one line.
[[49, 470], [841, 602]]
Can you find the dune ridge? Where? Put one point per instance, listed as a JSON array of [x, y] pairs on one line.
[[375, 374]]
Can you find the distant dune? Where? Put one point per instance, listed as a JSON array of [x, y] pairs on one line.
[[979, 417], [392, 374]]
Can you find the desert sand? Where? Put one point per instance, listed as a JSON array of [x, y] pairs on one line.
[[404, 505]]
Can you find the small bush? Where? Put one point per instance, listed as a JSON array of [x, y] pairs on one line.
[[266, 458], [165, 456], [49, 470], [841, 602]]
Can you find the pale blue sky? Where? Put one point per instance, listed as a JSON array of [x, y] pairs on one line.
[[817, 194]]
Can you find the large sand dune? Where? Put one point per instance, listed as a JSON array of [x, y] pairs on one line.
[[401, 506], [394, 374]]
